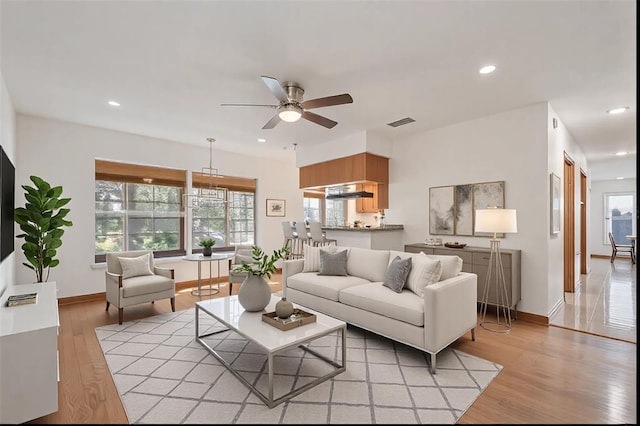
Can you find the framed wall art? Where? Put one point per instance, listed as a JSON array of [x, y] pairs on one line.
[[555, 203], [464, 210], [441, 210], [276, 207]]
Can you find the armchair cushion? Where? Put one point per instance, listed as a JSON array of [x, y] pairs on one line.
[[135, 266], [146, 284]]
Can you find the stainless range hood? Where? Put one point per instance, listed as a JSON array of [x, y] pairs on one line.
[[349, 195]]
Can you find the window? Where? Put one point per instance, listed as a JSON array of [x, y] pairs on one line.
[[328, 212], [130, 216], [619, 211], [145, 207], [312, 206], [224, 209], [224, 215]]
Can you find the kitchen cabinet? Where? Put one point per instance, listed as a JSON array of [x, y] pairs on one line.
[[476, 260], [379, 201], [358, 168]]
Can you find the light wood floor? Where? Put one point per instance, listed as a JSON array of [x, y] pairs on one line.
[[550, 375], [605, 302]]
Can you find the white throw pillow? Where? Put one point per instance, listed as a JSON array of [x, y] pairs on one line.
[[451, 265], [312, 257], [135, 266], [424, 271]]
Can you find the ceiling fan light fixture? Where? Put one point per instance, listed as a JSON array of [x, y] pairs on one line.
[[290, 113]]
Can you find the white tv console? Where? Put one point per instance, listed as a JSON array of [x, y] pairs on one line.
[[29, 354]]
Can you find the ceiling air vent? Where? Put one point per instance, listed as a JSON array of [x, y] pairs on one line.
[[401, 122]]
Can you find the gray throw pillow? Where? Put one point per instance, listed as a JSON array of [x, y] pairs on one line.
[[333, 263], [397, 274]]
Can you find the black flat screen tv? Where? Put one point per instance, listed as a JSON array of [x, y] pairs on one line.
[[7, 204]]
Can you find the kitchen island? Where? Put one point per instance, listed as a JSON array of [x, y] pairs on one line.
[[387, 237]]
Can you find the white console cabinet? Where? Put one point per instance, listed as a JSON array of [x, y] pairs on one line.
[[29, 354]]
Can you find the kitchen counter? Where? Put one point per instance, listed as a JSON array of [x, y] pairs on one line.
[[388, 237], [363, 229]]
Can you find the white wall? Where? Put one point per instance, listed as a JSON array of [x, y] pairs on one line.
[[63, 153], [596, 230], [8, 142], [561, 141], [511, 146]]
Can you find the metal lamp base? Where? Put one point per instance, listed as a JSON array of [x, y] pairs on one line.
[[502, 324]]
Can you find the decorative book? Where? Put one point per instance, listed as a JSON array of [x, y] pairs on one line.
[[22, 299], [297, 319]]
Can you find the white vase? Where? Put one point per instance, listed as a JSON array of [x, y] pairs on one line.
[[254, 293]]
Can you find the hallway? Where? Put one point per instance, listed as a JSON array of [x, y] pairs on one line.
[[605, 303]]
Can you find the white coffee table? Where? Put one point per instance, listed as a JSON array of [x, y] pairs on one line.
[[228, 311]]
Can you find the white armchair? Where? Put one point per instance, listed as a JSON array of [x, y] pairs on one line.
[[135, 279], [243, 252]]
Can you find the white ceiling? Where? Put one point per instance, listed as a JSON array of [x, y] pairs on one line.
[[172, 63]]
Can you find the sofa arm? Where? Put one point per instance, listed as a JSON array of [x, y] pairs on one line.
[[113, 284], [291, 267], [165, 272], [450, 310]]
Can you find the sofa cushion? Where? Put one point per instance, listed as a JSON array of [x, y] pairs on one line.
[[425, 271], [312, 257], [451, 265], [327, 287], [368, 263], [374, 297], [397, 273], [135, 266], [333, 263], [146, 284]]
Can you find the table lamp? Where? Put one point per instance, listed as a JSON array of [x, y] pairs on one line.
[[496, 221]]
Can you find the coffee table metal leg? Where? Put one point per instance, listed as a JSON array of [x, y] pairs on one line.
[[268, 399]]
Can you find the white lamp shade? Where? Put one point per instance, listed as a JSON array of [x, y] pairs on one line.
[[496, 221]]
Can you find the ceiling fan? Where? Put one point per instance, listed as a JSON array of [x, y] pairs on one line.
[[292, 107]]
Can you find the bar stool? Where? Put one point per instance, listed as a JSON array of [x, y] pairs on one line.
[[290, 240], [318, 237], [303, 235]]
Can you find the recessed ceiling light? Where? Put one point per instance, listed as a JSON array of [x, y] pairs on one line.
[[488, 69], [262, 140], [114, 103], [621, 153], [619, 178], [617, 110]]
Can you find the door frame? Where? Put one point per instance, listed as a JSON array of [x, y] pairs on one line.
[[584, 267], [569, 248]]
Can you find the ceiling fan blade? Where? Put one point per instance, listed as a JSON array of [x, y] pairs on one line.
[[275, 88], [272, 123], [345, 98], [318, 119], [249, 105]]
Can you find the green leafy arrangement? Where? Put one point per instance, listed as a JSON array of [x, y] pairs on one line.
[[210, 242], [261, 263], [41, 221]]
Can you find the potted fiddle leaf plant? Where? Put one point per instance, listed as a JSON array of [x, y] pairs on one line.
[[41, 220], [254, 293], [207, 246]]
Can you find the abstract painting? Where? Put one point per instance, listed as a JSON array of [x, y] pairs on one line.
[[464, 210], [441, 210], [488, 194]]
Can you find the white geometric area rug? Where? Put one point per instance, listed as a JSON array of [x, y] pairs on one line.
[[164, 376]]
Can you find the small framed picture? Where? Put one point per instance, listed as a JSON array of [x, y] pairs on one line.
[[276, 207]]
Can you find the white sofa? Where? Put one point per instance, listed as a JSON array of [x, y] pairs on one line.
[[447, 311]]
